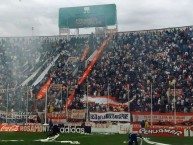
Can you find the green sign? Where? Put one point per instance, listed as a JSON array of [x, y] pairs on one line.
[[87, 16]]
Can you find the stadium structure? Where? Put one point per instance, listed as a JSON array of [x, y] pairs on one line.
[[107, 82]]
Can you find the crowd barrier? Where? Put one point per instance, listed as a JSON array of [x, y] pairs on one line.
[[91, 127]]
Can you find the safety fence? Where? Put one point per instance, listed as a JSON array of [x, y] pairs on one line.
[[91, 127]]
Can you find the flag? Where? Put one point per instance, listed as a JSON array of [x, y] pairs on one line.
[[102, 100], [43, 90]]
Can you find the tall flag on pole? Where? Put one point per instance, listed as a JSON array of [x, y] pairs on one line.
[[43, 90]]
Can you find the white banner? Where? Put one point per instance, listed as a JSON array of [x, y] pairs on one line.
[[5, 90], [104, 100], [32, 75], [121, 128], [180, 117], [110, 116], [18, 115], [42, 75]]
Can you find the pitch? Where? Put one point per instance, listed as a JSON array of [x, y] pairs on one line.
[[88, 139]]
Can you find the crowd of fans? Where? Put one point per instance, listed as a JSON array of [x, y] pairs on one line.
[[135, 62], [134, 66], [64, 73], [19, 58]]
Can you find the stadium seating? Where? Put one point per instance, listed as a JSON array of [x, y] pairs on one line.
[[141, 59], [131, 64]]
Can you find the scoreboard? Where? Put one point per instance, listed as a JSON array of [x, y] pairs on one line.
[[87, 16]]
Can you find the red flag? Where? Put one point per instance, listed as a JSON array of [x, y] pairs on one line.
[[43, 90]]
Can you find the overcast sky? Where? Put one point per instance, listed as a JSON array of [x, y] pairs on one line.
[[17, 17]]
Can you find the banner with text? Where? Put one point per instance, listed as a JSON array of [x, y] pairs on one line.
[[9, 128], [180, 117], [110, 116], [76, 114], [160, 131], [33, 128]]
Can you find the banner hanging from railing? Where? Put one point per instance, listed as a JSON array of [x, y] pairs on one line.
[[159, 131], [110, 116], [163, 117]]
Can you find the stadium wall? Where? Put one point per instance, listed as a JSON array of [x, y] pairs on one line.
[[121, 128]]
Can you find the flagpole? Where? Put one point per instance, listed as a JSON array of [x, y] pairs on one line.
[[128, 100], [7, 105], [151, 106], [108, 98], [61, 108], [87, 102], [27, 105], [66, 101], [175, 101], [46, 103], [31, 92]]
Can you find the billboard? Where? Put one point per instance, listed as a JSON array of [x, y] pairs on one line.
[[87, 16]]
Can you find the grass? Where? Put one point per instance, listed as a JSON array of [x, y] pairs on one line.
[[94, 139]]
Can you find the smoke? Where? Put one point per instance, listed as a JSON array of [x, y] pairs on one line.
[[20, 57]]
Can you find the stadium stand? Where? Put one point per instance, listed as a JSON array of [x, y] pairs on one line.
[[130, 64], [139, 59]]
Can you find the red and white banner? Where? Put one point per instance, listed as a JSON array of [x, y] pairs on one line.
[[104, 100], [169, 117], [110, 116], [56, 116], [9, 128], [72, 114], [160, 131], [22, 128], [71, 97], [43, 90], [76, 114], [84, 53]]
